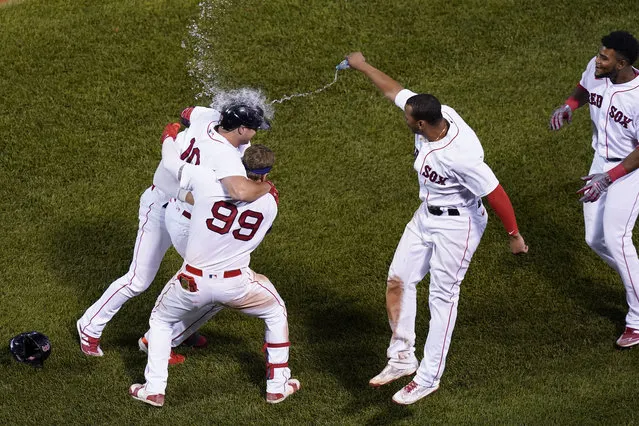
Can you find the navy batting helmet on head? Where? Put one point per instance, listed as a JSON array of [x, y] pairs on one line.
[[238, 115], [31, 348]]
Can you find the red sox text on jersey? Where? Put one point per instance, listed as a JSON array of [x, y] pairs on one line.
[[433, 176]]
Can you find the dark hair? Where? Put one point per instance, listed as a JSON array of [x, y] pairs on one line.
[[425, 107], [623, 43], [258, 160]]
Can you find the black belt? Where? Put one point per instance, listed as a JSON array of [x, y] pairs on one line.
[[438, 211], [614, 159]]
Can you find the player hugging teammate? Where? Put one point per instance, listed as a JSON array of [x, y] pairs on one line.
[[219, 207]]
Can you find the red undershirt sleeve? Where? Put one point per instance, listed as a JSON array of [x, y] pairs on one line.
[[500, 203]]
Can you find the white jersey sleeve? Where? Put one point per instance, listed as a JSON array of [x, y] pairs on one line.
[[402, 97], [202, 182], [205, 115], [165, 176], [229, 164], [171, 157], [476, 176]]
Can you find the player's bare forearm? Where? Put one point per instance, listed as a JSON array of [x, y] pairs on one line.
[[631, 162], [389, 87], [242, 189], [580, 95]]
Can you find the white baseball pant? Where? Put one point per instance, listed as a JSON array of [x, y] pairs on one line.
[[187, 295], [151, 244], [442, 245], [178, 223], [609, 222]]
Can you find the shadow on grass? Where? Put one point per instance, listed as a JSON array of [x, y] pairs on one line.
[[89, 254], [344, 337], [5, 357], [340, 336], [561, 258]]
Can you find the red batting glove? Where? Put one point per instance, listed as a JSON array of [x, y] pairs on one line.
[[274, 192], [170, 131], [185, 117]]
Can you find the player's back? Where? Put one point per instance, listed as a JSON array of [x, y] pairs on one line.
[[224, 233], [193, 145]]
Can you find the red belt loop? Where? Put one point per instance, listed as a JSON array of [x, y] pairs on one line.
[[152, 187], [186, 214], [233, 273], [194, 270], [199, 273]]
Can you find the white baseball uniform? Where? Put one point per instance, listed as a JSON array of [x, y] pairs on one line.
[[153, 239], [609, 221], [216, 273], [215, 152], [196, 143], [441, 239]]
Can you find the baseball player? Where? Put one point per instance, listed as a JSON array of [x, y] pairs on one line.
[[195, 144], [201, 141], [610, 87], [239, 124], [216, 273], [442, 235]]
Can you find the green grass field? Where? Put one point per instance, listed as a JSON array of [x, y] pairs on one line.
[[87, 87]]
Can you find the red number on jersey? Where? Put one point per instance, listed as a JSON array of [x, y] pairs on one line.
[[252, 225], [190, 153], [224, 214]]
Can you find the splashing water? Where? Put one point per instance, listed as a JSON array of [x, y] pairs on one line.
[[301, 95], [201, 42], [245, 95]]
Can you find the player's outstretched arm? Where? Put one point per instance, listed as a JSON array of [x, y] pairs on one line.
[[500, 203], [242, 189], [170, 153], [389, 87], [563, 115], [171, 157]]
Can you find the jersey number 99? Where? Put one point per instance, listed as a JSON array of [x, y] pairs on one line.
[[224, 214]]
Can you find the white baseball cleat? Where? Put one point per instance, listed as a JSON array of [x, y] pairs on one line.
[[630, 337], [391, 373], [89, 345], [139, 392], [413, 392], [292, 386]]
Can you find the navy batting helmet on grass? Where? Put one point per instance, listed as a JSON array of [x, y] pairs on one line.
[[31, 348]]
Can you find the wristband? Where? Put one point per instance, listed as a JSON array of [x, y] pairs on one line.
[[617, 172], [572, 103], [181, 195]]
